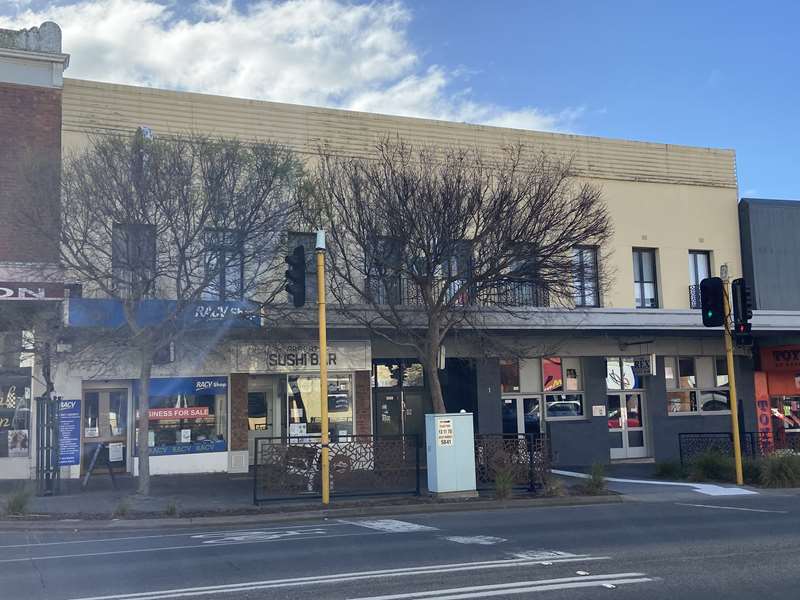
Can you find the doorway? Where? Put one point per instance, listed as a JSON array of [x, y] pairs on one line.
[[263, 411], [626, 425], [400, 412], [105, 421], [523, 414]]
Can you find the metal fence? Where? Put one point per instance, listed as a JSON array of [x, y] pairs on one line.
[[526, 457], [360, 465], [753, 444]]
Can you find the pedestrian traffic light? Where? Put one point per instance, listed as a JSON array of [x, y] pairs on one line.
[[742, 302], [296, 276], [712, 301]]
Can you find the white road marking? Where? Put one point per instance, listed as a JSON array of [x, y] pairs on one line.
[[543, 554], [166, 548], [258, 536], [151, 537], [709, 489], [518, 587], [389, 525], [758, 510], [481, 540], [335, 578]]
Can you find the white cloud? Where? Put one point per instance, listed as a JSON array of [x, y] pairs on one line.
[[322, 52]]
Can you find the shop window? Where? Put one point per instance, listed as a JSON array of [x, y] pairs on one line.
[[564, 405], [258, 411], [509, 376], [15, 403], [697, 386], [413, 375], [387, 374], [305, 412], [551, 375], [620, 375], [118, 412], [785, 414], [184, 420], [91, 415]]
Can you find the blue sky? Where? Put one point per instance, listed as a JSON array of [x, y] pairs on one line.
[[711, 73]]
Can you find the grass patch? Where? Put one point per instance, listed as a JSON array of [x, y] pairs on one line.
[[172, 509], [670, 470], [596, 484], [780, 471], [18, 502], [122, 509]]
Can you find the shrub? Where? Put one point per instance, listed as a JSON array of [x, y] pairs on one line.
[[780, 470], [670, 470], [503, 482], [122, 509], [596, 484], [751, 470], [552, 486], [17, 503], [172, 509], [712, 465]]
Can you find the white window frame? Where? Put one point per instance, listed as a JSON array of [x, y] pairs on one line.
[[698, 390]]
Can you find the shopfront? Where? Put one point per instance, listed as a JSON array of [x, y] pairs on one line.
[[778, 395], [280, 387], [188, 424], [15, 419]]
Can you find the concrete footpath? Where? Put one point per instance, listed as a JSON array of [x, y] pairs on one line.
[[225, 499]]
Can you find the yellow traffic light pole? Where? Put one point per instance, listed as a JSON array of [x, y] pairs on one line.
[[323, 367], [737, 449]]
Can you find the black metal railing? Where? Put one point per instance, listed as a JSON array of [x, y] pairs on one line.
[[360, 465], [509, 293], [694, 296], [753, 444], [525, 457]]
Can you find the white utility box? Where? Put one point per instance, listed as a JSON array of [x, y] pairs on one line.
[[450, 442]]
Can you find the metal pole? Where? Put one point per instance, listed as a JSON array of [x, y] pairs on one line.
[[737, 449], [323, 367]]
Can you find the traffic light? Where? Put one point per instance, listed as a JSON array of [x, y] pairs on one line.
[[742, 312], [742, 302], [712, 301], [296, 276]]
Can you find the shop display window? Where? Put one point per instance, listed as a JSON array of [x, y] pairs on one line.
[[786, 412], [305, 413], [696, 385], [15, 403]]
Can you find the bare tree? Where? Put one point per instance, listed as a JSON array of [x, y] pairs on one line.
[[434, 240], [182, 219]]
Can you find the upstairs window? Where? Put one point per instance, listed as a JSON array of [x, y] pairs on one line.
[[224, 265], [133, 259], [645, 286], [586, 284]]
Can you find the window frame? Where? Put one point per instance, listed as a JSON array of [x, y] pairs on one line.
[[698, 390], [639, 253], [694, 278], [580, 292], [221, 250], [544, 394]]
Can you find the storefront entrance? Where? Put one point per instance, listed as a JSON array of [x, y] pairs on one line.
[[626, 426], [400, 412], [105, 421], [523, 415]]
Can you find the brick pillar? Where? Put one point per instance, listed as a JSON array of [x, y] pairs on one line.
[[363, 401], [238, 412]]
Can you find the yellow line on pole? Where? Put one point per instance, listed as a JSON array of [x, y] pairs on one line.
[[737, 449], [323, 375]]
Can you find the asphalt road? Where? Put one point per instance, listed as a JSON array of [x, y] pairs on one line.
[[740, 547]]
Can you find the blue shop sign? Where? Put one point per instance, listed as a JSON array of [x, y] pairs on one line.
[[187, 448], [108, 313], [171, 386]]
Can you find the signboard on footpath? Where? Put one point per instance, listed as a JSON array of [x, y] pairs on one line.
[[69, 432]]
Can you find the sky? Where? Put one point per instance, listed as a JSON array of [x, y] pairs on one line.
[[714, 73]]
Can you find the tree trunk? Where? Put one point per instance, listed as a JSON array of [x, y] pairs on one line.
[[431, 362], [144, 423]]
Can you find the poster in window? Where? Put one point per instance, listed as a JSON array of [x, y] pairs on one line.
[[572, 379], [18, 443], [338, 402]]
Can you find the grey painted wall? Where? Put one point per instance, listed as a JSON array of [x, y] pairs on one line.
[[771, 252], [490, 418], [584, 442]]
